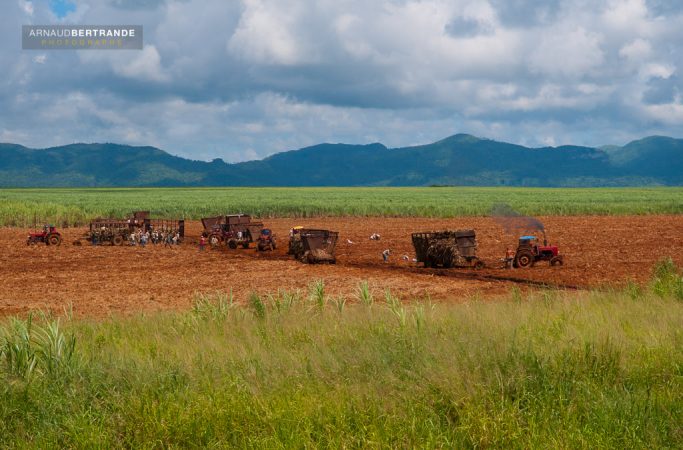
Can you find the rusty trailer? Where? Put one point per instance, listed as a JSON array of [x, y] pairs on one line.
[[314, 246], [118, 231], [233, 230], [447, 249]]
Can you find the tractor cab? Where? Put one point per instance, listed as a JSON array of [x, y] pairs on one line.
[[266, 240], [47, 229], [529, 241]]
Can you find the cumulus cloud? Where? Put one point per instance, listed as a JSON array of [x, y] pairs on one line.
[[146, 66], [267, 34], [244, 79], [573, 53]]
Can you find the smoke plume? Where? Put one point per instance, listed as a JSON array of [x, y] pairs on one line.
[[512, 221]]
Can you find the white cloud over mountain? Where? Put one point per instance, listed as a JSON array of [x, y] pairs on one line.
[[243, 79]]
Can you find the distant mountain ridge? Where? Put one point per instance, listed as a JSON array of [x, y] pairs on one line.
[[462, 160]]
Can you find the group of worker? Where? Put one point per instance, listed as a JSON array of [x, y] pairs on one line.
[[143, 237]]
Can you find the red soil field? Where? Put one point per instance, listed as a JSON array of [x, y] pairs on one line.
[[102, 280]]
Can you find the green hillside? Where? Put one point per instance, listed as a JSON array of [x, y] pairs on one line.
[[461, 160]]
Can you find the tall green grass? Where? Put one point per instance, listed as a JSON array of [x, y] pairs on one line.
[[19, 207], [293, 369]]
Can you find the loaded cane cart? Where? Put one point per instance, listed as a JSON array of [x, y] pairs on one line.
[[313, 246], [447, 249]]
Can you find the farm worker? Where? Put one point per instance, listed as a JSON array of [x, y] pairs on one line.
[[202, 243], [385, 255], [509, 257], [176, 239], [239, 235], [374, 237]]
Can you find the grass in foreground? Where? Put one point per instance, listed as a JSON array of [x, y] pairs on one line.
[[592, 370], [65, 207]]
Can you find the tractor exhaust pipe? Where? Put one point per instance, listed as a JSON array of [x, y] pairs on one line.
[[545, 240]]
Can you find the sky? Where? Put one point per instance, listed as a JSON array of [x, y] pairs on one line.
[[243, 79]]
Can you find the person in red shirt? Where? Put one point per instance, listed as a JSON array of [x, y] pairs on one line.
[[509, 258]]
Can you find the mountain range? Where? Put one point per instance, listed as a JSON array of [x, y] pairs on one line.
[[461, 160]]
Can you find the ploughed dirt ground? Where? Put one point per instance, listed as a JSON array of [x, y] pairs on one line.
[[103, 280]]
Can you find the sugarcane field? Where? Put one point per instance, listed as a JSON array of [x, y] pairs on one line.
[[99, 272]]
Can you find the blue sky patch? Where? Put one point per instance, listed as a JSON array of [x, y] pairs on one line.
[[62, 7]]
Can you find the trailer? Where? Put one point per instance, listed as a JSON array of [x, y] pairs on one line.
[[447, 249], [109, 231], [233, 230], [314, 246], [118, 231]]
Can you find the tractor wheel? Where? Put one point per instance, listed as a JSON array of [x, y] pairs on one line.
[[307, 258], [524, 259], [54, 239], [214, 240], [557, 261], [232, 244], [117, 240]]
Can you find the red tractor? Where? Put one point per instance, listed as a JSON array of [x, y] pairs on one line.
[[265, 241], [529, 252], [49, 235]]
